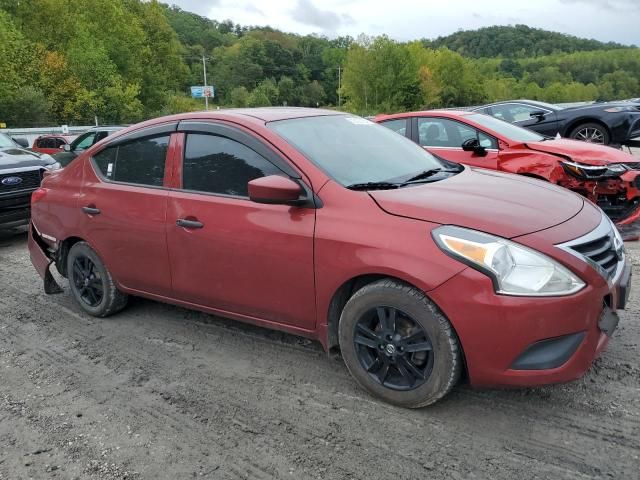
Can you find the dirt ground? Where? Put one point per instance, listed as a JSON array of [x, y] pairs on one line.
[[160, 392]]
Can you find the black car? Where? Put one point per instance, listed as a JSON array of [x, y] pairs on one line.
[[611, 123], [84, 141], [21, 172]]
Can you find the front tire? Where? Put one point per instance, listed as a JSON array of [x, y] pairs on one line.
[[591, 133], [91, 283], [398, 345]]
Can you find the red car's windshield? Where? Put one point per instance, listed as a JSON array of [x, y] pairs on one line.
[[507, 130], [354, 150]]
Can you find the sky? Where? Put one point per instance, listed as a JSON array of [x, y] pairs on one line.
[[605, 20]]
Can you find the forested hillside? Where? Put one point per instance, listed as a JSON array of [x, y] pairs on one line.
[[68, 61], [515, 41]]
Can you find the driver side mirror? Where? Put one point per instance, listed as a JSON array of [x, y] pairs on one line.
[[22, 142], [275, 190], [66, 147], [538, 115], [473, 145]]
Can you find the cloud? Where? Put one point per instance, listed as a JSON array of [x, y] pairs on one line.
[[196, 6], [307, 13], [613, 5], [250, 8]]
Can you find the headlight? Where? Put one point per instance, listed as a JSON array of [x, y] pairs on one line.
[[53, 166], [514, 269], [626, 108], [593, 172]]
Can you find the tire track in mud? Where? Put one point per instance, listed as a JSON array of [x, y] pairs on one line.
[[231, 401]]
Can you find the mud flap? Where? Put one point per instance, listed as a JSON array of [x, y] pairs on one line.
[[42, 263], [51, 287]]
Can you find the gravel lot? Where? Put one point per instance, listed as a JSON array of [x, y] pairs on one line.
[[163, 392]]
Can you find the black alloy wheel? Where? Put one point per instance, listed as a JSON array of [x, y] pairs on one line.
[[393, 348], [87, 280]]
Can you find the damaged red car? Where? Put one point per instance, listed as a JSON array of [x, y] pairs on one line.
[[608, 177], [421, 273]]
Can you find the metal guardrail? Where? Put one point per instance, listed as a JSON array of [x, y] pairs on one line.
[[32, 133]]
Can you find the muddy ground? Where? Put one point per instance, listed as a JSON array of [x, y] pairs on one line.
[[160, 392]]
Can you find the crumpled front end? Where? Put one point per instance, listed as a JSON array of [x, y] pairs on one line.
[[617, 196]]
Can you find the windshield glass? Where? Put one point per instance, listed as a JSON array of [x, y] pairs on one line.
[[507, 130], [6, 142], [354, 150], [83, 142]]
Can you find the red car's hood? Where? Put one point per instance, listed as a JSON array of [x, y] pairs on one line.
[[494, 202], [583, 152]]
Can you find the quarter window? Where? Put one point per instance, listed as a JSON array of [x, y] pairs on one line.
[[215, 164], [140, 162]]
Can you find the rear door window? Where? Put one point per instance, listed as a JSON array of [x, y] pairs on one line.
[[140, 162], [398, 126]]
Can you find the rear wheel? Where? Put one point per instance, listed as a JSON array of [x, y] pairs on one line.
[[398, 345], [91, 283], [591, 133]]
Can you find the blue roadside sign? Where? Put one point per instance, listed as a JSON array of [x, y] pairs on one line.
[[202, 91]]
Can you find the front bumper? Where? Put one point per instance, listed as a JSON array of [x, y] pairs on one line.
[[563, 334]]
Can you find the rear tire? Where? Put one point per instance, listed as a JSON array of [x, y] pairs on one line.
[[91, 283], [591, 133], [398, 345]]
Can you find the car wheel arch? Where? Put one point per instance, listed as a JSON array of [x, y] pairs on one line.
[[581, 121], [342, 295], [63, 252]]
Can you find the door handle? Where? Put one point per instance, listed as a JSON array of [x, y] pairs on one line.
[[181, 222], [91, 210]]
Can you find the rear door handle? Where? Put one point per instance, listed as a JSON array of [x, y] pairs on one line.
[[181, 222], [91, 210]]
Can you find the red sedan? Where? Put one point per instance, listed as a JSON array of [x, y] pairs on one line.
[[329, 226], [607, 176], [52, 143]]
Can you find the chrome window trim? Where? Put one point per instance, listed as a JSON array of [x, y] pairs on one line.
[[605, 228]]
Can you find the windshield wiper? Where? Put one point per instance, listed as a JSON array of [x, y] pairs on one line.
[[373, 186], [429, 173]]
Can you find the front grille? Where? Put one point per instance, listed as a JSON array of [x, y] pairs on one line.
[[600, 248], [29, 181], [15, 202]]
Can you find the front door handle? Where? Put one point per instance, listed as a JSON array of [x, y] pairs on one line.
[[182, 222], [91, 210]]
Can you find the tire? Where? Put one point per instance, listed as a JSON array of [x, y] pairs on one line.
[[591, 133], [417, 323], [91, 283]]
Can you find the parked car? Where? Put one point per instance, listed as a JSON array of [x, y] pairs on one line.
[[610, 123], [329, 226], [84, 141], [606, 176], [51, 143], [20, 174]]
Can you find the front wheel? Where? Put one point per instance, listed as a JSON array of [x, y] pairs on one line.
[[91, 283], [591, 133], [398, 346]]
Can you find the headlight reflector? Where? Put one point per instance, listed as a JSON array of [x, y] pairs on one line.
[[514, 269], [593, 172]]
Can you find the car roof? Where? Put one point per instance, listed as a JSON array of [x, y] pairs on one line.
[[111, 128], [58, 135], [266, 114], [428, 113]]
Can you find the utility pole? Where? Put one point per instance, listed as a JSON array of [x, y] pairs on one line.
[[339, 88], [204, 72]]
